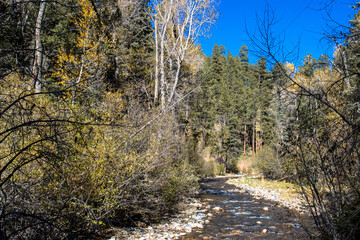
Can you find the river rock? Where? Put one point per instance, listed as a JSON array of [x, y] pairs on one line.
[[197, 225], [199, 217], [218, 209], [260, 192], [188, 228], [197, 205]]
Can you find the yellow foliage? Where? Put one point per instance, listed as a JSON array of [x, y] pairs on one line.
[[195, 59], [74, 68], [290, 67], [324, 81], [12, 86]]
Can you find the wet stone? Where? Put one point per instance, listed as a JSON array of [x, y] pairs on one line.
[[222, 212], [235, 214]]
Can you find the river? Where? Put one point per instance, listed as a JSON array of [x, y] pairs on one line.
[[233, 214]]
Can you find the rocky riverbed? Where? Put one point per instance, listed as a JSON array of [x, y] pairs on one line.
[[223, 211], [296, 202], [192, 215]]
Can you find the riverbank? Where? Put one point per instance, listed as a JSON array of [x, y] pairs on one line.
[[229, 206], [287, 194], [192, 214]]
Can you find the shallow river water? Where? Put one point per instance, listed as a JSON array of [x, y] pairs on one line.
[[233, 214]]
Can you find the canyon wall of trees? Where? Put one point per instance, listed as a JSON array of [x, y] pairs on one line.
[[110, 113]]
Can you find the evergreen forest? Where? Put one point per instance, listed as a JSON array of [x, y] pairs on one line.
[[111, 115]]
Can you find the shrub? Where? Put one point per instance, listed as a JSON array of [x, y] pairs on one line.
[[207, 169], [220, 169], [269, 163], [78, 178], [231, 166]]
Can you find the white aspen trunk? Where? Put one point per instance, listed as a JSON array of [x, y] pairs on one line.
[[77, 82], [177, 75], [156, 93], [162, 56], [117, 69], [162, 73], [36, 71], [184, 43], [347, 80], [189, 19]]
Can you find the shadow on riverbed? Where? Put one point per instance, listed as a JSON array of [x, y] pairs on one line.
[[233, 214]]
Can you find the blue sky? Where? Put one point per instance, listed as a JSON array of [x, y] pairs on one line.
[[302, 21]]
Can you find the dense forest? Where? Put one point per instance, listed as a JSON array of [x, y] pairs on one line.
[[110, 114]]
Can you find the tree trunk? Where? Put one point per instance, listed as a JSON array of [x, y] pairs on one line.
[[77, 82], [156, 93], [202, 140], [253, 139], [187, 110], [36, 71], [162, 73], [176, 80], [117, 71], [245, 140], [347, 80], [162, 56], [257, 138]]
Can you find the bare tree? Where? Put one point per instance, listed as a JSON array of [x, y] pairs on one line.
[[164, 12], [191, 20], [178, 24]]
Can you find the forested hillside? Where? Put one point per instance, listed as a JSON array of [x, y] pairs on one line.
[[91, 135], [110, 114]]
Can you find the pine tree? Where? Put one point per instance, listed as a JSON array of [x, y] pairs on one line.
[[133, 52]]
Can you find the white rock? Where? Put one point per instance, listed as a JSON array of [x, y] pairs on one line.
[[218, 209], [197, 225], [197, 205], [188, 228]]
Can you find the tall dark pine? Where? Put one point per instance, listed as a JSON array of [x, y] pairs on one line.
[[134, 53]]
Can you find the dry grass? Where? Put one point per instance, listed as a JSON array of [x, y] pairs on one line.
[[245, 165], [287, 191]]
